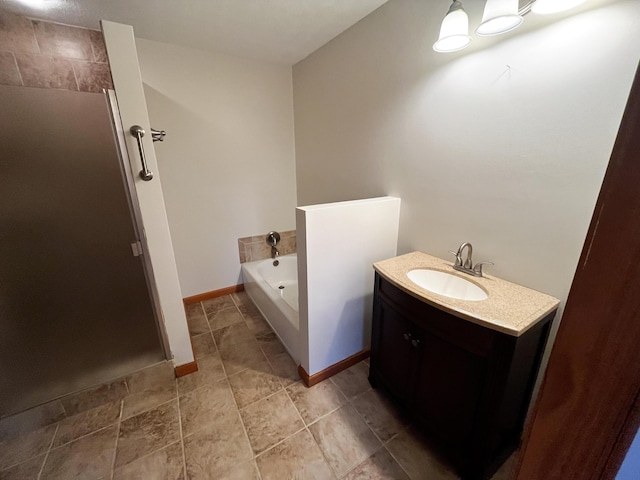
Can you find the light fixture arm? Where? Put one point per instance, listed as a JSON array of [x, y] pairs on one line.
[[455, 5], [526, 8]]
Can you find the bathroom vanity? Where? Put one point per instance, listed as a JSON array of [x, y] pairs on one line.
[[464, 370]]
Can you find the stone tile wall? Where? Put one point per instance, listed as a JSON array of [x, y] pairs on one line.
[[256, 248], [41, 54]]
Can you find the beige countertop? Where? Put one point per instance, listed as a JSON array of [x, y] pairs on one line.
[[510, 308]]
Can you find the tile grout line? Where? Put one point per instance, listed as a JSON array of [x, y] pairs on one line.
[[35, 36], [278, 443], [153, 451], [397, 461], [46, 457], [350, 402], [380, 447], [115, 447], [244, 429], [306, 427], [86, 435], [15, 61], [384, 444], [184, 455]]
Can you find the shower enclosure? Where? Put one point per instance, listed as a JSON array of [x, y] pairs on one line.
[[75, 303]]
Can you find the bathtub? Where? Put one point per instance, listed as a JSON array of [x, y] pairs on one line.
[[274, 290]]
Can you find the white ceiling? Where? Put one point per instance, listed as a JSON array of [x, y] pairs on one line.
[[281, 31]]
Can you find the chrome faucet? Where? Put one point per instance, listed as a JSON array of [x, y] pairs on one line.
[[467, 266], [272, 239]]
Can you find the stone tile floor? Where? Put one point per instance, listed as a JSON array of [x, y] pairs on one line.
[[244, 415]]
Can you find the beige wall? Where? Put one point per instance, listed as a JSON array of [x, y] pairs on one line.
[[227, 162], [510, 159]]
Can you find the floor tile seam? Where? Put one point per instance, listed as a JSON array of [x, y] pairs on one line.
[[323, 453], [306, 427], [353, 467], [201, 308], [378, 447], [46, 456], [259, 400], [244, 429], [148, 453], [193, 390], [280, 379], [233, 300], [115, 447], [295, 408], [300, 413], [234, 373], [265, 353], [256, 455], [393, 437], [399, 463], [64, 409], [147, 410], [325, 415], [365, 422], [247, 368], [86, 435], [184, 456], [351, 400], [14, 438]]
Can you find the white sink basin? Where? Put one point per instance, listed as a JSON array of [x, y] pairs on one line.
[[446, 284]]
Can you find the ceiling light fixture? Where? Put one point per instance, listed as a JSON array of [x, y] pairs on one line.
[[500, 16], [454, 31]]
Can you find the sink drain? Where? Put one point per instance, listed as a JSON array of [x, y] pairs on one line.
[[281, 287]]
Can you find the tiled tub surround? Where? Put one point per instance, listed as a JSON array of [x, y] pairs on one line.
[[256, 248], [41, 54], [244, 415]]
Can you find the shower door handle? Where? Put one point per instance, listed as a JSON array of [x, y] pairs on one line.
[[138, 132]]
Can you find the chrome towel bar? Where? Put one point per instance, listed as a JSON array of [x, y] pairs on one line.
[[138, 132]]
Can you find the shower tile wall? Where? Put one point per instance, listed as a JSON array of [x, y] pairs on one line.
[[41, 54], [256, 248]]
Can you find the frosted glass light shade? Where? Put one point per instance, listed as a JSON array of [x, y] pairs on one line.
[[553, 6], [454, 32], [500, 16]]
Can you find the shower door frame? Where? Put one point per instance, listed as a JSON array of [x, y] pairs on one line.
[[128, 179]]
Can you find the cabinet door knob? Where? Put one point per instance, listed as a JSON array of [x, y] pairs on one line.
[[415, 343], [406, 336]]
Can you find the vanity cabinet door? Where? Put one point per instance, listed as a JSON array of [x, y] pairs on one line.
[[392, 358], [448, 389]]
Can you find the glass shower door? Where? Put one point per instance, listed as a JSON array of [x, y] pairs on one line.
[[75, 310]]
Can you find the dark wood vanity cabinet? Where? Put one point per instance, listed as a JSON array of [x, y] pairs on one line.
[[467, 386]]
